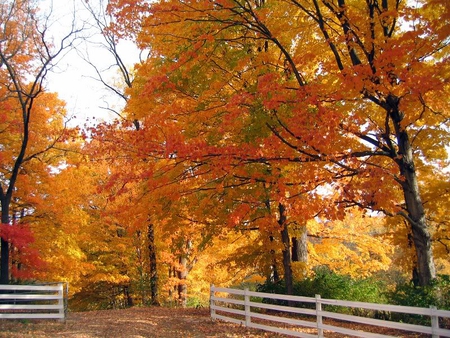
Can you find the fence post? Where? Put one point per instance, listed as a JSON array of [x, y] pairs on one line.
[[319, 317], [211, 302], [66, 298], [434, 322], [248, 318], [61, 310]]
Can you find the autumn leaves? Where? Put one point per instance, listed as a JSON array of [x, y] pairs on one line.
[[258, 138], [314, 102]]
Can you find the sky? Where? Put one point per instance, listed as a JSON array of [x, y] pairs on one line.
[[73, 79]]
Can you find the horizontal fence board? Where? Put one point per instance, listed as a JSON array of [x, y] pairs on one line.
[[355, 333], [51, 288], [31, 315], [282, 308], [229, 319], [15, 296], [284, 320], [300, 299], [232, 291], [281, 330], [380, 307], [442, 332], [378, 322], [442, 313], [264, 295], [30, 307], [228, 300]]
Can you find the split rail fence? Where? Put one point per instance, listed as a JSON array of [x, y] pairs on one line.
[[241, 307], [33, 301]]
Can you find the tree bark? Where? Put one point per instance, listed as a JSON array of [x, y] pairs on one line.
[[4, 269], [286, 250], [300, 249], [274, 276], [152, 265], [182, 275], [415, 213], [4, 277]]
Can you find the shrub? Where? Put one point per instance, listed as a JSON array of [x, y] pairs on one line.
[[331, 285], [408, 294], [197, 302]]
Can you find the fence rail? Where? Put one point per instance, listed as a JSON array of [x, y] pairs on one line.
[[32, 301], [242, 308]]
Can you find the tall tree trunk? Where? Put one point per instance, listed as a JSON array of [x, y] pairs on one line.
[[300, 249], [300, 246], [4, 269], [415, 213], [172, 274], [274, 275], [286, 250], [152, 265], [4, 278], [182, 286], [127, 296]]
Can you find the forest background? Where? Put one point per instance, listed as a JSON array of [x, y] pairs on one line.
[[271, 143]]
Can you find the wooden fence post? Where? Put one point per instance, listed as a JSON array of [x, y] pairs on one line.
[[211, 302], [434, 322], [248, 318], [61, 297], [319, 317], [66, 298]]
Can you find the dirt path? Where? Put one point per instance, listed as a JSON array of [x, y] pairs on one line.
[[156, 322], [131, 323]]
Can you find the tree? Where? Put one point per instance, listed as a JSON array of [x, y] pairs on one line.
[[104, 22], [351, 92], [26, 55], [65, 211], [51, 143]]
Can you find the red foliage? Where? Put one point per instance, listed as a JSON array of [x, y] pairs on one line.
[[25, 259]]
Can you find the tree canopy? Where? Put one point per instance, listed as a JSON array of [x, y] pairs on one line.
[[259, 140]]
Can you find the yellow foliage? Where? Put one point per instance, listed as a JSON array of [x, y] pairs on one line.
[[356, 246]]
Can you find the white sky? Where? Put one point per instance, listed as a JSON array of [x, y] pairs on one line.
[[72, 79]]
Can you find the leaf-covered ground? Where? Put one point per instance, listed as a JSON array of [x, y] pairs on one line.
[[136, 323], [131, 323]]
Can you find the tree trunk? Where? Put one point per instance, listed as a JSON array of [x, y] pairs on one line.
[[182, 286], [127, 296], [286, 250], [300, 246], [300, 250], [172, 274], [274, 275], [152, 265], [4, 278], [4, 269], [415, 213]]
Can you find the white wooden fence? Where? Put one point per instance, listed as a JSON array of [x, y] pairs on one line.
[[239, 308], [32, 301]]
